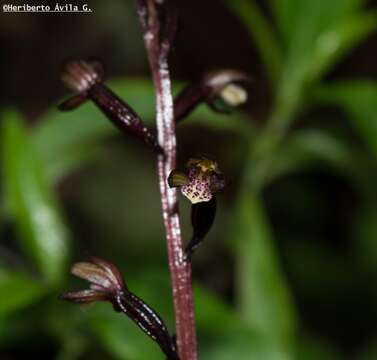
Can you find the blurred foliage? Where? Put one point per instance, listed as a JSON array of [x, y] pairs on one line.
[[298, 45], [31, 202]]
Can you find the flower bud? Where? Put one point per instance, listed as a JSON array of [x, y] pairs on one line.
[[107, 284], [85, 77], [226, 86]]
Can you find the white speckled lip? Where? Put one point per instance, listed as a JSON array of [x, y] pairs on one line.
[[198, 189]]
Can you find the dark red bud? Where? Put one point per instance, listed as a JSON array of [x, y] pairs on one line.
[[107, 284], [85, 76], [220, 89]]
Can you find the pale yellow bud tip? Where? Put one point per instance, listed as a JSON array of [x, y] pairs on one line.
[[233, 95]]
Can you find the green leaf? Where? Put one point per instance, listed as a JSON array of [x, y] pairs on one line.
[[31, 201], [290, 15], [317, 35], [262, 33], [19, 291], [122, 337], [338, 40], [244, 346], [285, 13], [359, 100], [311, 148], [264, 299], [67, 140], [225, 335], [72, 348]]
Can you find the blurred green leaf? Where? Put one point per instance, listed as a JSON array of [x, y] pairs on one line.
[[284, 12], [19, 328], [72, 348], [262, 33], [359, 100], [224, 334], [310, 148], [264, 298], [72, 159], [317, 34], [67, 325], [337, 40], [32, 203], [243, 345], [306, 257], [18, 290], [291, 15], [121, 337], [65, 140]]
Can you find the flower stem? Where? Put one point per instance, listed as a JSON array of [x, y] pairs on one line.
[[180, 270]]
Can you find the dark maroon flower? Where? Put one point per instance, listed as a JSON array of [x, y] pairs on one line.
[[104, 278], [220, 89], [86, 77], [199, 184], [107, 284]]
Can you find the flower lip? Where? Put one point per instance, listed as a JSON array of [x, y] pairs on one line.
[[200, 182]]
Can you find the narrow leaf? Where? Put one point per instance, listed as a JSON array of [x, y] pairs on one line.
[[228, 335], [31, 201], [19, 290], [359, 100], [264, 299], [311, 149], [318, 34], [262, 33], [294, 15], [338, 40], [121, 337]]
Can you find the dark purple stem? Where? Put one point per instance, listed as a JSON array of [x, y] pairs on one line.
[[187, 100], [180, 270]]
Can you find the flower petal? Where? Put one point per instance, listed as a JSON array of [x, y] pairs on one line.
[[93, 273], [85, 296]]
